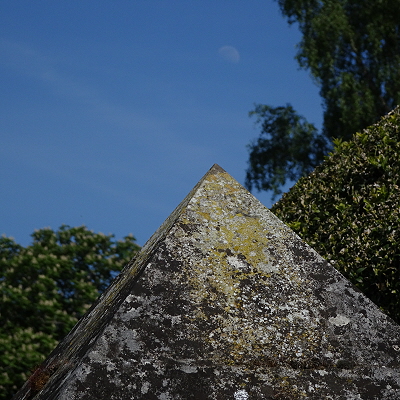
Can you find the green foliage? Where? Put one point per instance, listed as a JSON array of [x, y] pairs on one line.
[[352, 50], [288, 148], [45, 288], [348, 210]]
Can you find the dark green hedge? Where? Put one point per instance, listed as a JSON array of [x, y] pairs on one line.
[[348, 210]]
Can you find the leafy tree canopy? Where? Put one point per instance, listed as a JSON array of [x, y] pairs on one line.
[[348, 210], [288, 147], [45, 288], [352, 50]]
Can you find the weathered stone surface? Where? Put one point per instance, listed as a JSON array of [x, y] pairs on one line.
[[225, 302]]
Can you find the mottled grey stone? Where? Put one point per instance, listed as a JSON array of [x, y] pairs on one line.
[[226, 302]]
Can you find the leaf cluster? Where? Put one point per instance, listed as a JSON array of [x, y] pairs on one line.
[[288, 148], [352, 49], [46, 287], [348, 210]]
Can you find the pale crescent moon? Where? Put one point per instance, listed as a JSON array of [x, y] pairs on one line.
[[229, 53]]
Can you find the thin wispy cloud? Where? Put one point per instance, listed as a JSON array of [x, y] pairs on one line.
[[28, 61], [114, 113], [61, 157]]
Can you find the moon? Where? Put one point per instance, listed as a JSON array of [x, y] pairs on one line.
[[229, 53]]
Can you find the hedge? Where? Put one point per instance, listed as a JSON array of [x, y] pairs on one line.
[[348, 210]]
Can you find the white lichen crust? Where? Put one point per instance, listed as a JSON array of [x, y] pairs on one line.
[[226, 302]]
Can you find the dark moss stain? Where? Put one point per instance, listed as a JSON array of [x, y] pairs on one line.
[[42, 374], [225, 302]]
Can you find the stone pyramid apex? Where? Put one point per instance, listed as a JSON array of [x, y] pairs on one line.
[[225, 302]]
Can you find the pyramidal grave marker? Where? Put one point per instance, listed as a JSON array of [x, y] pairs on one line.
[[225, 302]]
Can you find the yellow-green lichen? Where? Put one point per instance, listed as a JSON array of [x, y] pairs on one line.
[[234, 254]]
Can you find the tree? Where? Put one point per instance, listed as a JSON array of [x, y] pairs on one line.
[[352, 50], [348, 210], [45, 288], [289, 147]]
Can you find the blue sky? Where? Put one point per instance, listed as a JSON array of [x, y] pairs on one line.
[[111, 111]]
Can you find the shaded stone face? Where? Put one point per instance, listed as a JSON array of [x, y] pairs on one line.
[[226, 302]]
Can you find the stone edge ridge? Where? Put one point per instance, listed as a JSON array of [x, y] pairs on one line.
[[66, 355]]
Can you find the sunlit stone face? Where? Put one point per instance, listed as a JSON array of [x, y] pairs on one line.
[[226, 302]]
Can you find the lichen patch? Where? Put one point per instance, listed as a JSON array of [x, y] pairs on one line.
[[226, 302]]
